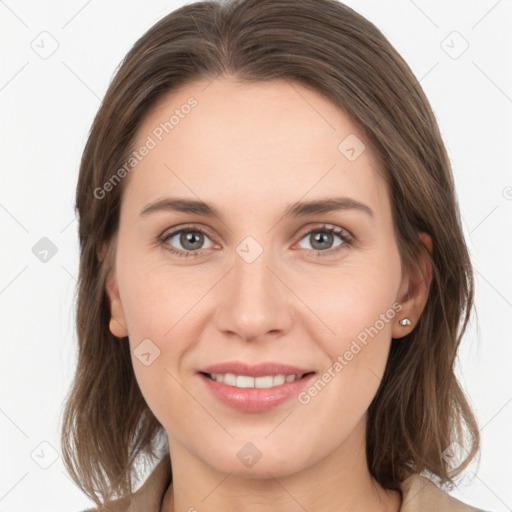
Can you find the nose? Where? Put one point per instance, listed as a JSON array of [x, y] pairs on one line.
[[255, 302]]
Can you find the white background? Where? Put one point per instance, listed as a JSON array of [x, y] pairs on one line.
[[46, 109]]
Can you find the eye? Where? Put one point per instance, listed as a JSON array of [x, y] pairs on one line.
[[321, 239], [189, 240]]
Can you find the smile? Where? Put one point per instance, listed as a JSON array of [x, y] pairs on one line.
[[254, 394], [245, 381]]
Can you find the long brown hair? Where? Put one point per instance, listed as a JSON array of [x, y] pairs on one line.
[[419, 409]]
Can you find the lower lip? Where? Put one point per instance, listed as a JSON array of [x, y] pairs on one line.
[[255, 399]]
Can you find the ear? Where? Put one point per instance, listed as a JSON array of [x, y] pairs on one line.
[[413, 293], [117, 323]]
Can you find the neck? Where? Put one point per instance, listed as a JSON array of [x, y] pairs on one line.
[[340, 482]]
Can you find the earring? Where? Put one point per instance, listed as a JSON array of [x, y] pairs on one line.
[[404, 321]]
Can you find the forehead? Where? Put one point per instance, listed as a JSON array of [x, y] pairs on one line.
[[276, 139]]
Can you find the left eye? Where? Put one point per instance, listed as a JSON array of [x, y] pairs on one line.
[[322, 239]]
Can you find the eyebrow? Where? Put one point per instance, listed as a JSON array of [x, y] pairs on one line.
[[298, 209]]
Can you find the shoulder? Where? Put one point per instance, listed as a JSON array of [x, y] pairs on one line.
[[422, 494]]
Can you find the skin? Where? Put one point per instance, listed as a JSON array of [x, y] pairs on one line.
[[251, 150]]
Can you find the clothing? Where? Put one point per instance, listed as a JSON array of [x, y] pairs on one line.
[[419, 495]]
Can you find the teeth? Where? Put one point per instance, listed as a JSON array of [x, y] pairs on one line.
[[244, 381]]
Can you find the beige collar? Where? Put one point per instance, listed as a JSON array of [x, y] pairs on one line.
[[422, 495], [419, 495]]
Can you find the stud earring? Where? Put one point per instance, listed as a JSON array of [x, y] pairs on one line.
[[404, 321]]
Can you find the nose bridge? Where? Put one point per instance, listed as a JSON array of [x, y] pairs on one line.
[[251, 277], [254, 301]]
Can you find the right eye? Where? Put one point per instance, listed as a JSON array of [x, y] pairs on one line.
[[190, 238]]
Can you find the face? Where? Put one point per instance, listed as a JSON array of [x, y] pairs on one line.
[[313, 290]]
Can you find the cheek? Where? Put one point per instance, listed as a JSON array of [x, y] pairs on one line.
[[156, 298], [356, 303], [361, 317], [160, 334]]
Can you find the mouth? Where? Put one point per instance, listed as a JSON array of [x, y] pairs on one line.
[[261, 382], [254, 388]]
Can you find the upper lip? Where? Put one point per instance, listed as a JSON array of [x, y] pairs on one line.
[[257, 370]]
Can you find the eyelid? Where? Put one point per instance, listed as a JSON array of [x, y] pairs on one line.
[[328, 227], [184, 227]]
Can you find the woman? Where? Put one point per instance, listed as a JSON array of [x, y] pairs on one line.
[[273, 275]]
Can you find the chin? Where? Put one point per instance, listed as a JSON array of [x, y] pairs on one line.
[[252, 462]]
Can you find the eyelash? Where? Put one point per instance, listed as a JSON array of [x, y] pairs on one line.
[[347, 239]]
